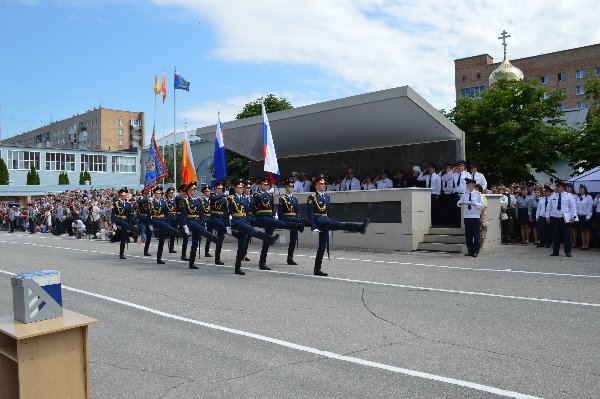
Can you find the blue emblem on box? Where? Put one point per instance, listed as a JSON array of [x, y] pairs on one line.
[[37, 296]]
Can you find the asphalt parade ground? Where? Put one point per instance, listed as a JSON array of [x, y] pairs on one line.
[[512, 323]]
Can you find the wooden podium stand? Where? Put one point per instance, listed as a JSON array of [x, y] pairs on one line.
[[46, 359]]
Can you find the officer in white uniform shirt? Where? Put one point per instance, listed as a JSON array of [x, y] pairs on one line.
[[544, 227], [562, 211], [306, 182], [459, 183], [446, 178], [472, 203], [350, 182], [383, 181], [433, 181], [478, 177], [298, 187], [585, 205], [368, 184]]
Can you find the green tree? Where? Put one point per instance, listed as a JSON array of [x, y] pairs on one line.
[[33, 178], [168, 158], [513, 126], [238, 165], [81, 178], [3, 173], [87, 176], [63, 178], [584, 150]]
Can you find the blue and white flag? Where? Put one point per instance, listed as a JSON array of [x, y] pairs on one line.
[[155, 167], [219, 163], [271, 166]]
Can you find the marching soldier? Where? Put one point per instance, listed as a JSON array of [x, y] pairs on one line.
[[144, 219], [249, 211], [193, 220], [180, 217], [241, 223], [219, 218], [264, 211], [318, 206], [289, 211], [205, 199], [171, 217], [159, 212], [121, 215]]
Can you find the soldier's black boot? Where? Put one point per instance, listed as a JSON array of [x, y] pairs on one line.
[[262, 263], [218, 252], [147, 246], [192, 259], [172, 247], [159, 256], [363, 228], [121, 251], [265, 237], [238, 265], [318, 261], [206, 248], [184, 249], [290, 258], [295, 226]]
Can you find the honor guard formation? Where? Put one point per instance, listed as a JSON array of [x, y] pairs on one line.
[[240, 215]]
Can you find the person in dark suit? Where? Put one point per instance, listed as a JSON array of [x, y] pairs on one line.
[[318, 207], [159, 212], [289, 212], [144, 219], [121, 218]]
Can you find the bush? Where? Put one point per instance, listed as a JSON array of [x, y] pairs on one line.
[[3, 173], [33, 177], [63, 178]]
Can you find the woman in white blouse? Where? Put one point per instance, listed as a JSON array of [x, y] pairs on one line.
[[584, 211]]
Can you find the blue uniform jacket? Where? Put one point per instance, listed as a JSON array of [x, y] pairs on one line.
[[288, 207], [264, 206], [121, 211], [219, 209], [158, 209], [143, 207], [192, 210], [238, 209], [317, 207]]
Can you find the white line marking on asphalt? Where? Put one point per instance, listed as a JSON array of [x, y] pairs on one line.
[[308, 349], [380, 283]]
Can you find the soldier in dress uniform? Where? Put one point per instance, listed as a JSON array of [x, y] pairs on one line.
[[158, 213], [289, 212], [264, 211], [205, 199], [144, 220], [171, 217], [219, 217], [249, 198], [193, 220], [240, 222], [182, 194], [318, 207], [121, 215]]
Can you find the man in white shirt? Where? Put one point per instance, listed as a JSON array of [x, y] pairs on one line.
[[544, 227], [350, 182], [433, 181], [298, 187], [472, 203], [562, 211], [383, 181], [459, 188], [306, 182], [478, 177], [78, 228]]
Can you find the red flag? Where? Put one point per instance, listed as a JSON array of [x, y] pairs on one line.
[[163, 88]]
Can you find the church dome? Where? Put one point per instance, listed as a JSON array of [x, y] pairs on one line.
[[506, 70]]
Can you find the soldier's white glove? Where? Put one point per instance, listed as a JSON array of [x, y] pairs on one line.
[[230, 217], [316, 231], [151, 228], [228, 229], [276, 217], [115, 226], [186, 230]]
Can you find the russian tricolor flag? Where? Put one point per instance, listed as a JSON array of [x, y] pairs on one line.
[[219, 162], [271, 166]]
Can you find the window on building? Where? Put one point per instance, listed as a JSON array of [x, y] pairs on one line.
[[544, 79], [471, 92], [135, 122], [93, 163], [579, 90], [120, 132], [56, 161], [597, 71], [120, 142], [123, 164], [23, 159], [202, 179], [563, 107], [580, 74], [120, 122], [581, 104], [561, 76]]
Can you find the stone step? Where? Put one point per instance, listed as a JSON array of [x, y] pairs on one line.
[[446, 230], [440, 246], [444, 238]]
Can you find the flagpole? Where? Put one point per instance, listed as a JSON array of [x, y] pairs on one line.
[[162, 112], [174, 134]]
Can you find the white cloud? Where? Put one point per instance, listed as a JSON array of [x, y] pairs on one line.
[[377, 44]]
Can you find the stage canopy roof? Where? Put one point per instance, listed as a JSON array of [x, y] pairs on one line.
[[387, 118]]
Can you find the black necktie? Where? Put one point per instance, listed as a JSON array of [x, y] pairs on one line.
[[546, 205], [469, 201], [429, 182], [559, 202], [458, 180]]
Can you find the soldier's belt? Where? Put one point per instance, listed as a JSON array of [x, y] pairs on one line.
[[144, 214], [193, 216], [320, 214], [217, 212], [172, 213], [264, 211], [157, 216], [238, 214], [290, 214], [121, 217]]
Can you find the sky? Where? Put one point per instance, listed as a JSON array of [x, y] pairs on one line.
[[63, 57]]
